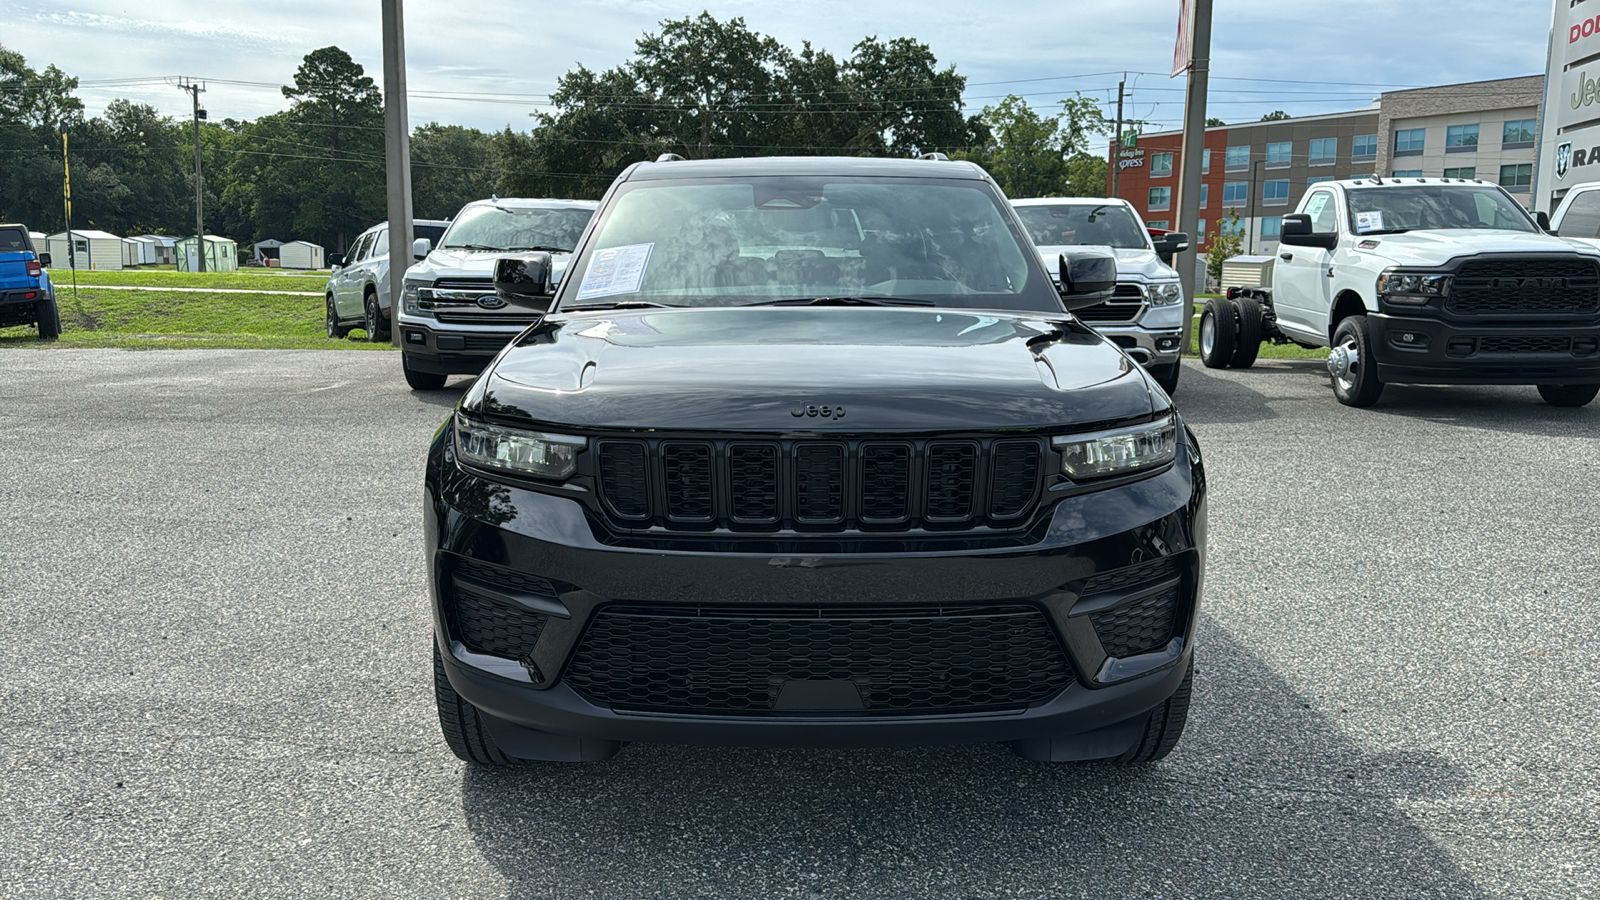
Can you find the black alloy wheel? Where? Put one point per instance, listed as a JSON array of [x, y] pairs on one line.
[[335, 330], [377, 324], [1568, 394]]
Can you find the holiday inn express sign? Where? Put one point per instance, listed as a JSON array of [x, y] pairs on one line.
[[1569, 130]]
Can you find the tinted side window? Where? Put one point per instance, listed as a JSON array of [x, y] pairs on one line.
[[13, 240], [364, 245], [1582, 218]]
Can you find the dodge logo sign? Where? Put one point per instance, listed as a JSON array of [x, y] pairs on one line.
[[1563, 159], [491, 301]]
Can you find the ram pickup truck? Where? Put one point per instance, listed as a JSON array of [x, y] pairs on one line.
[[1421, 281], [26, 295]]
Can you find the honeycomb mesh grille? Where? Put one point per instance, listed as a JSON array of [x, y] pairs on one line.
[[1143, 626], [486, 624], [819, 483], [736, 661], [1525, 287], [1016, 475], [885, 482], [951, 468], [625, 478], [1154, 570], [753, 474], [688, 471], [1506, 344]]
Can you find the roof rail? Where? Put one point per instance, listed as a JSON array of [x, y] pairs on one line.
[[935, 156], [669, 157]]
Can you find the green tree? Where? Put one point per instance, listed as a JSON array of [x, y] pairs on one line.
[[1213, 122], [450, 167], [1276, 115], [1225, 245], [1033, 155]]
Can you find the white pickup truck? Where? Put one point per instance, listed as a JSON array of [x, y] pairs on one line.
[[1421, 281]]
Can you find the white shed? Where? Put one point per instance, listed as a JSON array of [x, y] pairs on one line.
[[301, 255], [164, 248], [90, 250], [138, 251], [40, 243], [222, 254]]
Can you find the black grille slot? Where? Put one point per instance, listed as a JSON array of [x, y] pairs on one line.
[[819, 483], [885, 483], [486, 624], [1502, 344], [485, 318], [736, 661], [952, 469], [687, 467], [1154, 570], [753, 479], [624, 478], [1015, 478], [1142, 626], [1525, 287], [485, 285], [491, 343]]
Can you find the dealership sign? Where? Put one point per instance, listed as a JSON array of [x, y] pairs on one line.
[[1569, 123]]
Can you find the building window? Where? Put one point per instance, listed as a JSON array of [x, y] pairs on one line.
[[1233, 227], [1359, 177], [1462, 172], [1278, 154], [1324, 151], [1200, 230], [1205, 163], [1162, 224], [1318, 179], [1406, 173], [1205, 195], [1236, 192], [1271, 228], [1461, 139], [1410, 141], [1517, 135], [1365, 146], [1160, 198], [1275, 192], [1160, 165], [1517, 179], [1238, 158]]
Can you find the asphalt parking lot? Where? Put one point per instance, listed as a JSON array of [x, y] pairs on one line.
[[214, 678]]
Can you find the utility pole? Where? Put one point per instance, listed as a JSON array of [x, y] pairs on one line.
[[1194, 142], [66, 202], [397, 155], [194, 89], [1116, 143]]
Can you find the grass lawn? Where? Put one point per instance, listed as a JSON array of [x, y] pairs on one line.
[[1268, 350], [230, 280], [143, 320]]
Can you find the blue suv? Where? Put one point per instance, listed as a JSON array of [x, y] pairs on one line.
[[26, 297]]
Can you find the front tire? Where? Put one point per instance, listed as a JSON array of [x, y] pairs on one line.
[[377, 324], [1164, 727], [1568, 394], [421, 381], [335, 330], [1218, 334], [49, 318], [1167, 376], [1351, 364], [463, 728]]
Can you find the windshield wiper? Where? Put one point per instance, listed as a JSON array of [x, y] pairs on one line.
[[618, 304], [843, 301], [472, 247], [1384, 231], [538, 248]]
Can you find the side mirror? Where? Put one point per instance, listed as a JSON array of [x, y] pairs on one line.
[[1088, 276], [1170, 245], [420, 248], [335, 260], [44, 260], [524, 280], [1297, 233], [1543, 219]]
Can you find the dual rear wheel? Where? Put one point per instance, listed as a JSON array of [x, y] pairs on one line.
[[1230, 332]]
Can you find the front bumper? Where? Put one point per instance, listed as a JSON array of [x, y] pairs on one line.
[[1423, 350], [429, 346], [535, 712]]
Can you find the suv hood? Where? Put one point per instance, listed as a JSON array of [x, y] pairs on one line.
[[1132, 265], [1435, 248], [750, 369], [473, 264]]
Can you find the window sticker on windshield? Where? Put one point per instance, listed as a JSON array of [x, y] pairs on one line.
[[1369, 221], [615, 270]]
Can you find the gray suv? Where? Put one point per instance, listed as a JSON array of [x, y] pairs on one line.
[[451, 321], [358, 289]]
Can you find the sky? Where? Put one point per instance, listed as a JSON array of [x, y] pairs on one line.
[[490, 64]]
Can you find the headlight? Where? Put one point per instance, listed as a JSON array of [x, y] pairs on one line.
[[1412, 289], [410, 296], [514, 450], [1118, 452], [1165, 294]]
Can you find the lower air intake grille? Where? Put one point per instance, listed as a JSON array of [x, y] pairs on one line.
[[737, 661], [485, 624], [1498, 344], [1143, 626]]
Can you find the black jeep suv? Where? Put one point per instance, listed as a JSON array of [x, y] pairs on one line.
[[810, 452]]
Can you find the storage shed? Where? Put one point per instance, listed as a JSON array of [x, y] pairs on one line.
[[222, 254], [138, 251], [1247, 271], [40, 243], [90, 250], [301, 255], [265, 250], [165, 254]]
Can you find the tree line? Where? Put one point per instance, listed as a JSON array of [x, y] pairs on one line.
[[697, 87]]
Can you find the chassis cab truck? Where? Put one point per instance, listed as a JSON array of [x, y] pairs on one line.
[[1421, 281]]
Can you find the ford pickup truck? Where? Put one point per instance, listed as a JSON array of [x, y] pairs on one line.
[[26, 296], [1421, 281]]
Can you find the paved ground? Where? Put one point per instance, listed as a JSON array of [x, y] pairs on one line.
[[214, 678]]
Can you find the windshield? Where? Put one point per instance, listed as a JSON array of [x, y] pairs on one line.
[[1103, 224], [1440, 207], [516, 228], [764, 239]]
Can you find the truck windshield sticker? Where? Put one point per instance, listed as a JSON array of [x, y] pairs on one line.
[[1369, 221], [615, 270], [1315, 204]]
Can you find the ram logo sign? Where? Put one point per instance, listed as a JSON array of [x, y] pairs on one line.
[[1563, 159]]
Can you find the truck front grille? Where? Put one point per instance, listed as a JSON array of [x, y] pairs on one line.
[[742, 661], [1124, 307], [1522, 287], [820, 485]]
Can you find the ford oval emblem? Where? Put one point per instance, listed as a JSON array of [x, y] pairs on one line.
[[491, 301]]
